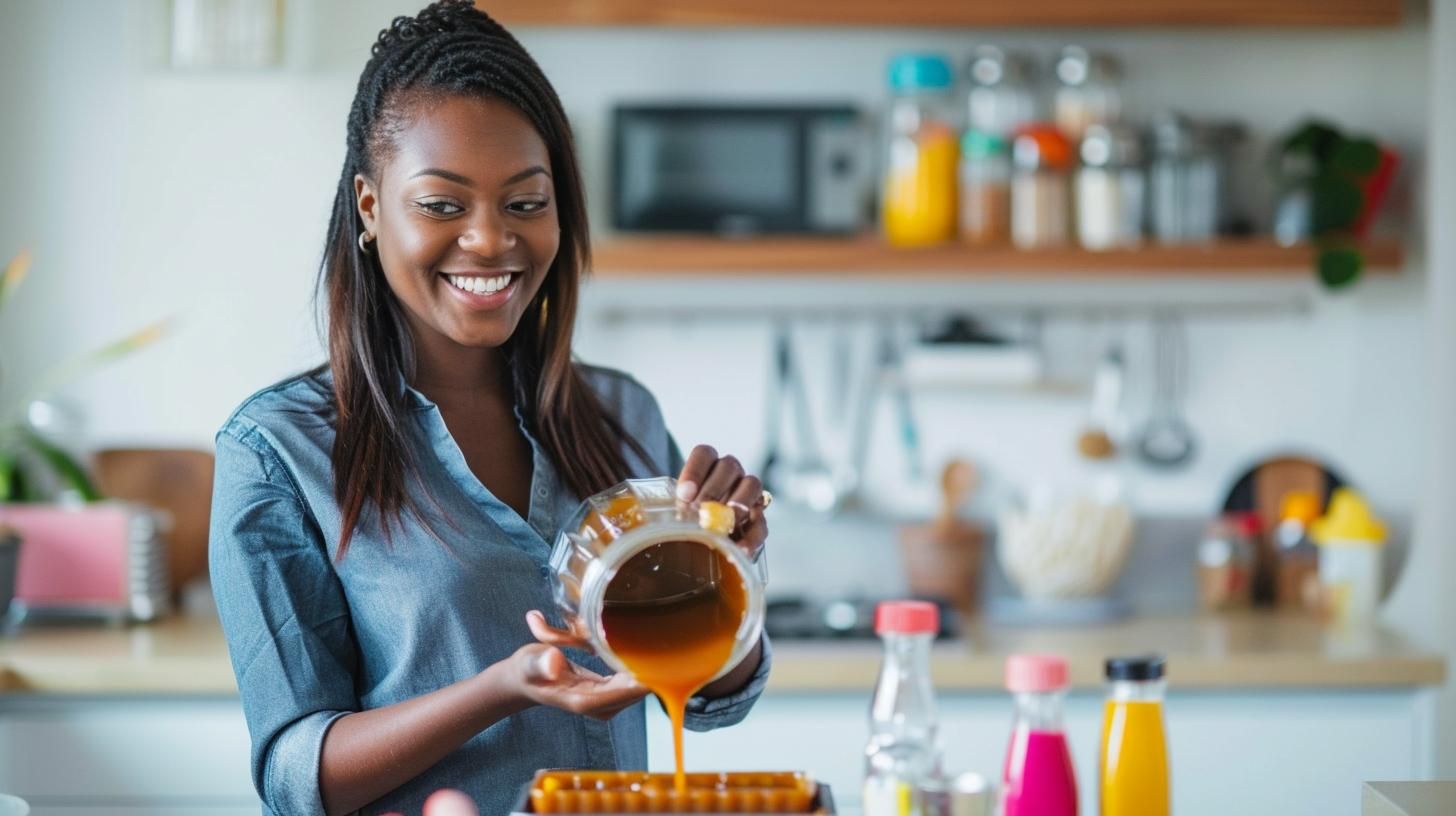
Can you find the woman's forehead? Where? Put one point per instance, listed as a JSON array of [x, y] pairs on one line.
[[483, 139]]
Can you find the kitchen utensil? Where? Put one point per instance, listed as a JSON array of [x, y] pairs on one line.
[[809, 481], [942, 559], [773, 422], [1166, 440], [1096, 441], [177, 482], [892, 367]]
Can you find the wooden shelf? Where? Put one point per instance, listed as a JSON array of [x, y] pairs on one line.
[[940, 13], [839, 257]]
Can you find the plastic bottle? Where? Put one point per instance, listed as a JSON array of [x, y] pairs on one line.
[[1134, 761], [902, 752], [1038, 779]]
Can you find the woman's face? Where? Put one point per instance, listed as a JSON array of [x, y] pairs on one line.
[[463, 217]]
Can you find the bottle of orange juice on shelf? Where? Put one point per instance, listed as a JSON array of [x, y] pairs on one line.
[[1134, 760], [919, 198]]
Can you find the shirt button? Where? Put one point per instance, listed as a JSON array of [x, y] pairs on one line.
[[541, 491]]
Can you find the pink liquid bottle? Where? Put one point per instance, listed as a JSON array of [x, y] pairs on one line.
[[1038, 779]]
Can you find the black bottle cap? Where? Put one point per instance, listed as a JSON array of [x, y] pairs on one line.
[[1143, 667]]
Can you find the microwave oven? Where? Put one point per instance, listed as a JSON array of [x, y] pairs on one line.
[[740, 169]]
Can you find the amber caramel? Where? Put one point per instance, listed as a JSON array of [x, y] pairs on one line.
[[632, 792]]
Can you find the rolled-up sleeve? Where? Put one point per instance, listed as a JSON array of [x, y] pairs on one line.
[[705, 714], [284, 615]]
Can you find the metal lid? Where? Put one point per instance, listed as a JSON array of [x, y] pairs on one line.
[[990, 65], [1077, 66], [1110, 146], [1142, 667]]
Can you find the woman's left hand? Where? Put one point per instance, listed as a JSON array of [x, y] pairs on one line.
[[706, 476]]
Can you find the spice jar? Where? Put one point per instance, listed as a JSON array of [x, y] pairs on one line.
[[1002, 95], [647, 578], [1226, 559], [918, 207], [1090, 92], [1041, 159], [985, 209], [1110, 188]]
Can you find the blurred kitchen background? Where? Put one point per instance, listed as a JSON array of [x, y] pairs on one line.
[[176, 159]]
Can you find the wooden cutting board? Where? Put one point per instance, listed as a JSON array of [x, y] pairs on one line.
[[178, 481]]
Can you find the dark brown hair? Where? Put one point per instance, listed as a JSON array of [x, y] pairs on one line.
[[452, 48]]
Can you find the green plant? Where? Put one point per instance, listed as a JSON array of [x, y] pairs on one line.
[[1323, 173], [24, 451]]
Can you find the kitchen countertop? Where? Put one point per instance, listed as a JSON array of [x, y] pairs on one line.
[[1409, 799], [186, 655]]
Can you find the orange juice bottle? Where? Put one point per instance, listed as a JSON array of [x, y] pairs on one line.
[[1134, 763]]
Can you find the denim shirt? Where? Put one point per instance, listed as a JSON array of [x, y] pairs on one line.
[[312, 639]]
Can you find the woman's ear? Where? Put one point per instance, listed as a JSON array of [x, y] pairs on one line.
[[367, 203]]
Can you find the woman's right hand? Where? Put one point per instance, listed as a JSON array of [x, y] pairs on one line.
[[546, 677]]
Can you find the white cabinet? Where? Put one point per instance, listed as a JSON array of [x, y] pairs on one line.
[[1289, 753], [126, 756]]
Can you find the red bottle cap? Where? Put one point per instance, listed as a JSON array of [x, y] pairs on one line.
[[907, 617], [1035, 673]]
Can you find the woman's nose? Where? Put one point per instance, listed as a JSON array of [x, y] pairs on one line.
[[488, 235]]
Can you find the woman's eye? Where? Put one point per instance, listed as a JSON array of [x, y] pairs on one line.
[[528, 207], [440, 207]]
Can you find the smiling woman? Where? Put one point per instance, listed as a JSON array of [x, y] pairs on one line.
[[380, 523]]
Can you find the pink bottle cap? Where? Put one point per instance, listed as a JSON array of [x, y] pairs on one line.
[[907, 617], [1035, 673]]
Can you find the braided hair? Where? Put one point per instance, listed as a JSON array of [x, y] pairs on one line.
[[452, 48]]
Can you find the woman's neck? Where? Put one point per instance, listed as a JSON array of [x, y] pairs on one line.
[[443, 367]]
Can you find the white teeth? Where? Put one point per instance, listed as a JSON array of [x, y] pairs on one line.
[[481, 286]]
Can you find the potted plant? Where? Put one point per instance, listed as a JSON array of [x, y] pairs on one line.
[[1330, 185]]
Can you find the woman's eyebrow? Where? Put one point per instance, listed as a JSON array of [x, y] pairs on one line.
[[459, 179]]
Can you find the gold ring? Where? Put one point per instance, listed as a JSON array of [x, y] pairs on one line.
[[766, 499]]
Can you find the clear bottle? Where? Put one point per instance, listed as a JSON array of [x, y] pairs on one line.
[[903, 751], [1090, 91], [918, 203], [1038, 779], [1133, 772]]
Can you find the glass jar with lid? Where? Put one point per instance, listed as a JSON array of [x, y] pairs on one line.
[[985, 208], [1089, 93], [1002, 95], [1041, 160], [1110, 188], [918, 204]]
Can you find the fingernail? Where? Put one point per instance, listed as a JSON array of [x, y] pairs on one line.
[[687, 491]]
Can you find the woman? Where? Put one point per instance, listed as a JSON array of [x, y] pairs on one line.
[[381, 525]]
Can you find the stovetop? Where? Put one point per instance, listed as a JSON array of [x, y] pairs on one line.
[[849, 618]]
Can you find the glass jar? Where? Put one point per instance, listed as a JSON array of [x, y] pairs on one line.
[[1110, 185], [1002, 95], [1041, 159], [1090, 91], [1038, 779], [985, 209], [649, 580], [1189, 178], [918, 206], [1226, 562]]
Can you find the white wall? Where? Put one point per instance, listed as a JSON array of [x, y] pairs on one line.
[[148, 192]]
